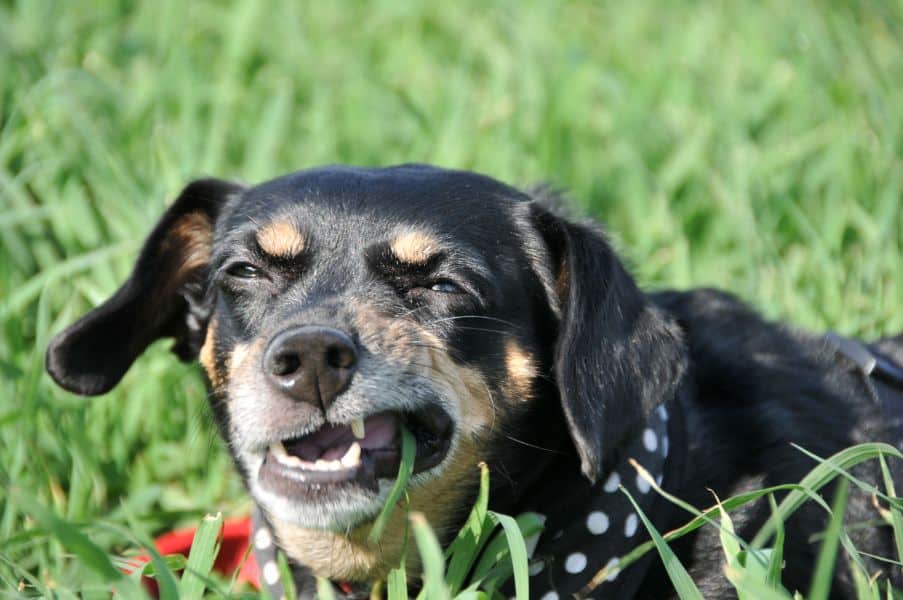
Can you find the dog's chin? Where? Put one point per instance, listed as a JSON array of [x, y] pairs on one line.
[[339, 476], [338, 510]]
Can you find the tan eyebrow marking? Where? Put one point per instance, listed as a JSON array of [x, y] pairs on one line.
[[414, 247], [281, 238], [521, 369]]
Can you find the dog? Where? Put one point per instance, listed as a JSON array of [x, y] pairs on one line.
[[330, 307]]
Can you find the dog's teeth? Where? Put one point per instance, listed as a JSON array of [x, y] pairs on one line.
[[357, 428], [352, 456], [283, 457]]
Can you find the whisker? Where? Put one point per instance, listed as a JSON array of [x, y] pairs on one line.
[[484, 317], [529, 445]]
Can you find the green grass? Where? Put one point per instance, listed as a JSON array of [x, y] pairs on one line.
[[755, 146]]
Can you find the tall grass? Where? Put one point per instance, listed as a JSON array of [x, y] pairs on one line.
[[755, 146]]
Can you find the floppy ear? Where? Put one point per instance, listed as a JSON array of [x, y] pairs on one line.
[[163, 297], [617, 357]]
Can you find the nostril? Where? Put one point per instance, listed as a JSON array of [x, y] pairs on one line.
[[284, 364], [340, 357]]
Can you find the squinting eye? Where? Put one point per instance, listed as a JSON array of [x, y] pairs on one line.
[[244, 271], [446, 287]]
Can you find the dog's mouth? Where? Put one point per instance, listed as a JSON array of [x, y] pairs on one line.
[[360, 452]]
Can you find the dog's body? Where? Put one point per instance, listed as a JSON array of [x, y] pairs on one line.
[[330, 307]]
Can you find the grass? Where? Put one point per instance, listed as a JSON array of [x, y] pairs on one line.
[[754, 146]]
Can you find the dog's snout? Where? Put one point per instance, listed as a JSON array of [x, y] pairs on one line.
[[311, 364]]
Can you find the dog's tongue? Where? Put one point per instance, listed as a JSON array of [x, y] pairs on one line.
[[330, 442]]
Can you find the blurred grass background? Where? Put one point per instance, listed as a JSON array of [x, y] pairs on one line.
[[755, 146]]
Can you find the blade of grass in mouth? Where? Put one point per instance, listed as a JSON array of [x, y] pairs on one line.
[[408, 452]]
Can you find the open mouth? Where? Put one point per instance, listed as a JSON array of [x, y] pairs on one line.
[[360, 452]]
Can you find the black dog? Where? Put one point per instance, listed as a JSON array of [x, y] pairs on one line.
[[331, 306]]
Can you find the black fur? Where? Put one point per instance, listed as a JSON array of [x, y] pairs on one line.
[[607, 354], [160, 299]]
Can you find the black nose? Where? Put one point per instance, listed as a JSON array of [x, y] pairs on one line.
[[311, 364]]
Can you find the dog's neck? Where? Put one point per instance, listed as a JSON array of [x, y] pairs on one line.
[[587, 527]]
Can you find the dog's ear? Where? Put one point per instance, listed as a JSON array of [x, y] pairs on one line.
[[617, 357], [163, 297]]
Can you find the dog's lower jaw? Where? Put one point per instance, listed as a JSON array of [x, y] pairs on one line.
[[347, 555]]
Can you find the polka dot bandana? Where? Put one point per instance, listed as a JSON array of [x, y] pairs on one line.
[[587, 527]]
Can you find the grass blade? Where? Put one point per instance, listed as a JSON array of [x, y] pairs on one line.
[[408, 451], [827, 555], [680, 579], [776, 559], [896, 517], [76, 542], [819, 477], [517, 549], [204, 549], [398, 583], [471, 539], [492, 566], [324, 589], [432, 558]]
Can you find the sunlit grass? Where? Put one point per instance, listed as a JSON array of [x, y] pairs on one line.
[[754, 146]]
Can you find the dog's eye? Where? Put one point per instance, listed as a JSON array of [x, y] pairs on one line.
[[244, 271], [446, 287]]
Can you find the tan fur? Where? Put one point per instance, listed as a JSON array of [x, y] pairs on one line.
[[281, 238], [467, 385], [414, 247], [521, 369], [189, 245], [207, 355], [194, 233]]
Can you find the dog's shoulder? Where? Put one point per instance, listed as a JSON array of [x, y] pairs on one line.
[[762, 382]]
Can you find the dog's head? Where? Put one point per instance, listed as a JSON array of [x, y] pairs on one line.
[[331, 307]]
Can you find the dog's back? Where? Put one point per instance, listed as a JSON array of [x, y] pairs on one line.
[[760, 387]]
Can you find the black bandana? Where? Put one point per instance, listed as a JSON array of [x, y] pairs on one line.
[[586, 527]]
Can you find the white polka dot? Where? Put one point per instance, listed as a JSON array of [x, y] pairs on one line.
[[612, 483], [611, 564], [665, 444], [642, 484], [550, 596], [597, 522], [658, 479], [271, 573], [650, 440], [575, 563], [263, 539], [558, 534], [662, 412], [536, 568], [630, 525]]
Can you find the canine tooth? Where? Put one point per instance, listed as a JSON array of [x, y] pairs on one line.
[[278, 449], [283, 457], [352, 456], [357, 428]]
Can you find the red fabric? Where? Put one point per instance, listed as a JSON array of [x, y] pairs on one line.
[[235, 539]]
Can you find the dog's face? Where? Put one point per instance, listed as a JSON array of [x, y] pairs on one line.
[[332, 307], [344, 310]]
